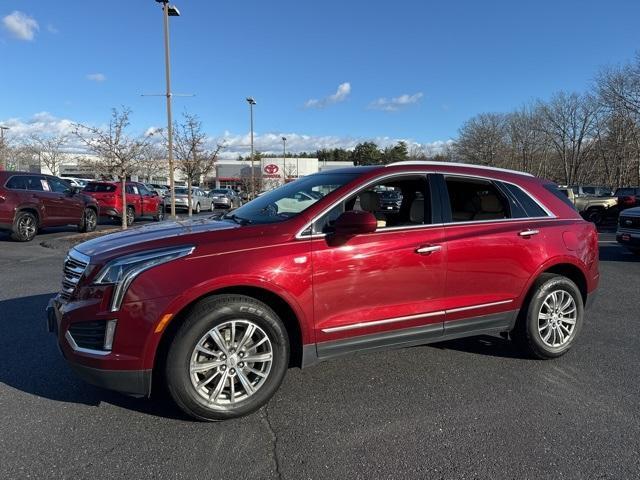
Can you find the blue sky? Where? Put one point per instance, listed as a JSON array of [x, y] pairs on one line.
[[404, 69]]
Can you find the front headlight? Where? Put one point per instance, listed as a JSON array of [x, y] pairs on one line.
[[122, 271]]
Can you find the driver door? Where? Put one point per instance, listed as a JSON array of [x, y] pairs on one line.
[[369, 285]]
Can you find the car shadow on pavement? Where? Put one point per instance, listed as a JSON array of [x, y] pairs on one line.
[[30, 362], [484, 345], [617, 253]]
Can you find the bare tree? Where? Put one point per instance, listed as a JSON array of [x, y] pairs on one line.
[[153, 163], [568, 122], [527, 142], [620, 86], [118, 153], [193, 159], [49, 149], [482, 139]]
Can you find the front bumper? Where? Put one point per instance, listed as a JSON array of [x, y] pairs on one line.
[[628, 238], [97, 367]]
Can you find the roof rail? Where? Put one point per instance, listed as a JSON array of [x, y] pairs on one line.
[[457, 164]]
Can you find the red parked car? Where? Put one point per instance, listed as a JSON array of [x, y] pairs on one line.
[[217, 309], [31, 201], [141, 202]]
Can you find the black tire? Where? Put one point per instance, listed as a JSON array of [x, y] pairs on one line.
[[595, 215], [217, 311], [159, 216], [25, 227], [89, 221], [527, 332], [131, 216]]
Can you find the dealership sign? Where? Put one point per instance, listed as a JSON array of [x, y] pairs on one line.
[[271, 171]]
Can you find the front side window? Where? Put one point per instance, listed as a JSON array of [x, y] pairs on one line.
[[402, 201], [59, 186], [38, 184], [290, 200], [143, 190], [476, 200]]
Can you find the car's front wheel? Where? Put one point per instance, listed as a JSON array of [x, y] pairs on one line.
[[227, 358], [548, 326], [159, 216], [89, 220], [131, 216]]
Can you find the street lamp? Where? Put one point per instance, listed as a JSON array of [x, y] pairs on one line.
[[2, 129], [169, 11], [284, 158], [251, 101]]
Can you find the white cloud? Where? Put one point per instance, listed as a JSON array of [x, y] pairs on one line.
[[96, 77], [52, 29], [20, 25], [44, 123], [396, 103], [343, 91]]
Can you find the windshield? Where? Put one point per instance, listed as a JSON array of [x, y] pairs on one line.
[[182, 191], [224, 192], [291, 199]]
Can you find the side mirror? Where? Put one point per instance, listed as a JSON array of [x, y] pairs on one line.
[[355, 222], [72, 191]]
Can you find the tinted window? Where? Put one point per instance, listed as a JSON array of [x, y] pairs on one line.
[[100, 187], [625, 191], [143, 190], [589, 190], [530, 206], [396, 202], [181, 191], [37, 183], [59, 186], [476, 200], [132, 189], [18, 182], [559, 194]]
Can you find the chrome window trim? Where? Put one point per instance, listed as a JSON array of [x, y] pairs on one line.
[[436, 313], [76, 348], [550, 215]]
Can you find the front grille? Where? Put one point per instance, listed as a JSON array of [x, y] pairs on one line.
[[74, 267], [89, 334], [629, 222]]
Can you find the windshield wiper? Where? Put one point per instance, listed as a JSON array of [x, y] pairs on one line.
[[237, 219]]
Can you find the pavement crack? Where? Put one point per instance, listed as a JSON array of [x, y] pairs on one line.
[[274, 438]]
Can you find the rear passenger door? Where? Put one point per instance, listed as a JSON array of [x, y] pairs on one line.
[[71, 206], [494, 235]]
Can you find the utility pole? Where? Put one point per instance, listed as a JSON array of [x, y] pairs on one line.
[[284, 159], [251, 101], [2, 158]]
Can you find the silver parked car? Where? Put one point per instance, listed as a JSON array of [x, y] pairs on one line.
[[225, 198], [199, 200]]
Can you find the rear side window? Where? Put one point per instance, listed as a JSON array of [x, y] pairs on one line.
[[100, 187], [476, 200], [553, 188], [17, 183], [528, 204]]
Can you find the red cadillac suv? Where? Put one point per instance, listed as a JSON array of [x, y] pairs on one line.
[[217, 309], [31, 201]]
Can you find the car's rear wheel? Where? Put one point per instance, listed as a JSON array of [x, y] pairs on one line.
[[197, 209], [227, 359], [549, 324], [213, 207], [595, 215], [131, 216], [25, 227], [89, 220]]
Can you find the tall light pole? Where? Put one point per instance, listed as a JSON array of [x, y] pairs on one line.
[[2, 129], [251, 101], [284, 158], [169, 11]]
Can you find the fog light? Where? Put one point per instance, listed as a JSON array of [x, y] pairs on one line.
[[109, 333]]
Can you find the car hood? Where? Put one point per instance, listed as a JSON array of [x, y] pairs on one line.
[[137, 236], [631, 212]]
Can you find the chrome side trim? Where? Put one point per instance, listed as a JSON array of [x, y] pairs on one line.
[[482, 305], [354, 326], [76, 348], [382, 322]]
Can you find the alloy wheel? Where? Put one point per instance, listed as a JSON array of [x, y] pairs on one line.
[[230, 363], [557, 318], [27, 226], [90, 220]]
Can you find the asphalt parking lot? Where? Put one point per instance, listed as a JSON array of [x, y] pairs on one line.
[[473, 408]]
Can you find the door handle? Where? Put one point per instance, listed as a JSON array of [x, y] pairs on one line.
[[428, 249], [528, 233]]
